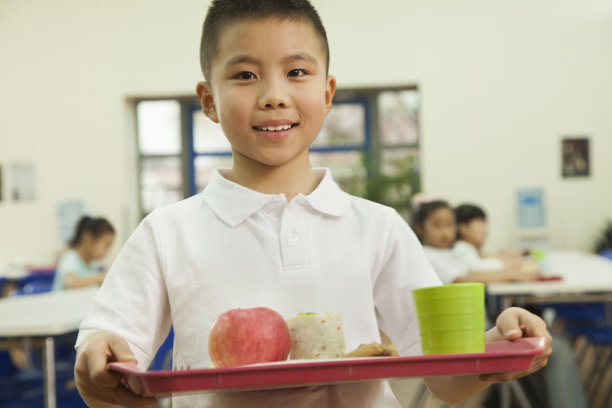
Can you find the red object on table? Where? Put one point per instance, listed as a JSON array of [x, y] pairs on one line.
[[550, 278], [499, 356]]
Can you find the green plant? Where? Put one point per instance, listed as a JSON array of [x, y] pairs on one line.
[[605, 239], [393, 185]]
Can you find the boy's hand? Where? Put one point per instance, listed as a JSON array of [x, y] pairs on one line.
[[514, 323], [99, 387]]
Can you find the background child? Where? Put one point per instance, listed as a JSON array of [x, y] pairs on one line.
[[77, 267], [434, 223], [436, 226], [472, 230], [270, 231]]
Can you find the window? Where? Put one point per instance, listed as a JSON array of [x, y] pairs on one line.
[[369, 140]]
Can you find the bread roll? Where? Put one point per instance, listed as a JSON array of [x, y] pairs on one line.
[[316, 336]]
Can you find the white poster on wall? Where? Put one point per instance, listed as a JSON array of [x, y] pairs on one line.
[[22, 181]]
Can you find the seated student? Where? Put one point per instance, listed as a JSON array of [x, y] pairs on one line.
[[77, 267], [435, 225], [471, 235]]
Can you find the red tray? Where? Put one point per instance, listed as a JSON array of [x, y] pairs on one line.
[[499, 357]]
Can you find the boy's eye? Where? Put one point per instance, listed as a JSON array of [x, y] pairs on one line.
[[245, 75], [296, 73]]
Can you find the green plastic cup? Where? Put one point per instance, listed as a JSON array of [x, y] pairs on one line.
[[451, 318]]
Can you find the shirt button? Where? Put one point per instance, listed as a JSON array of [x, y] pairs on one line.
[[293, 237]]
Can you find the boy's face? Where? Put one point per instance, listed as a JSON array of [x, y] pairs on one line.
[[269, 90], [439, 229], [474, 232]]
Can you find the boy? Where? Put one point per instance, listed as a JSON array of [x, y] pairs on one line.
[[271, 231], [471, 234]]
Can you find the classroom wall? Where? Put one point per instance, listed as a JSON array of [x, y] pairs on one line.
[[502, 83]]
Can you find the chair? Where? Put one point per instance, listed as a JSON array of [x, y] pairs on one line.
[[606, 253], [163, 358], [589, 327], [35, 283]]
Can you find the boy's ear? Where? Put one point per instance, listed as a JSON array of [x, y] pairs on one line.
[[330, 90], [206, 99]]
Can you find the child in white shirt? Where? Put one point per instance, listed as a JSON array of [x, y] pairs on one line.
[[472, 231], [435, 224], [271, 231]]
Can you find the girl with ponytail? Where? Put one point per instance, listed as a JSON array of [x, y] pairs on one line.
[[77, 267]]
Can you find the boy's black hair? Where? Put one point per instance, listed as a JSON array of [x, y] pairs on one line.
[[424, 211], [468, 212], [223, 12], [95, 226]]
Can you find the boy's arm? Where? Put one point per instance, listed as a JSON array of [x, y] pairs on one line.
[[99, 387], [511, 324]]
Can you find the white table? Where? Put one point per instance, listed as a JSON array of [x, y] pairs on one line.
[[586, 278], [37, 318], [13, 272]]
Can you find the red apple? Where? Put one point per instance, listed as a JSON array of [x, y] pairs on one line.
[[248, 336]]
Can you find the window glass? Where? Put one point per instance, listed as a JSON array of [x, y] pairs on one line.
[[161, 182], [346, 167], [204, 166], [398, 119], [208, 136], [344, 126], [399, 179], [159, 127]]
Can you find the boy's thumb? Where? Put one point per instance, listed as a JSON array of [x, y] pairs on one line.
[[121, 350], [510, 326]]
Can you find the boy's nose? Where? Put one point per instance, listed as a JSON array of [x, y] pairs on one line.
[[273, 97]]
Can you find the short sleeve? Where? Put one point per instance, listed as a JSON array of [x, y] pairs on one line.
[[133, 302], [405, 268], [68, 263]]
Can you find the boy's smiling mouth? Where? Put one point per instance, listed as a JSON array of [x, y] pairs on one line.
[[275, 128]]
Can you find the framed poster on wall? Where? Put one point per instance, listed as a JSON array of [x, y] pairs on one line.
[[575, 161]]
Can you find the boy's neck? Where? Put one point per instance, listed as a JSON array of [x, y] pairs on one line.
[[287, 180]]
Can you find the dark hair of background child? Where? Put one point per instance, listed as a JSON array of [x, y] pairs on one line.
[[95, 226], [224, 12], [468, 212], [425, 210]]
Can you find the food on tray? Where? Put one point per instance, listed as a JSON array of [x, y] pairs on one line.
[[316, 336], [248, 336], [373, 350]]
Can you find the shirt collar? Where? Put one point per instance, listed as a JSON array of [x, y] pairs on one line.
[[234, 203]]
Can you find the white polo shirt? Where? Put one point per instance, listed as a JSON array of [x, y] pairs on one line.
[[231, 247]]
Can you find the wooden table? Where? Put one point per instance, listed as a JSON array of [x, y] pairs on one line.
[[37, 319]]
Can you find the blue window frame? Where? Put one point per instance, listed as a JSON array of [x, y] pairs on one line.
[[370, 140]]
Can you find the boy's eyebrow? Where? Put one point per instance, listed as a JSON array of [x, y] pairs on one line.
[[246, 59], [302, 57]]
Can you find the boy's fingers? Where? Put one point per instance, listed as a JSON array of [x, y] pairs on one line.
[[514, 322], [120, 349], [115, 349], [509, 325], [121, 395]]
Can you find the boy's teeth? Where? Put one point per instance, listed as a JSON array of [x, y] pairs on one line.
[[275, 128]]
